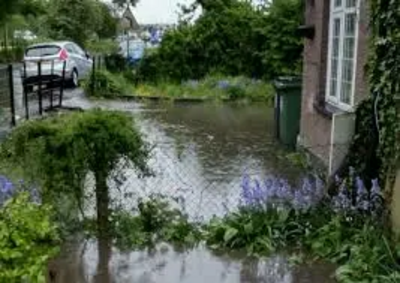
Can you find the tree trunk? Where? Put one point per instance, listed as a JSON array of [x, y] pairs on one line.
[[103, 205], [103, 272]]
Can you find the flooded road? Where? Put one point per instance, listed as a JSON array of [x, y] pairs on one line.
[[200, 153]]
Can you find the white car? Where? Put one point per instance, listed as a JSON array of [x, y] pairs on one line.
[[53, 56]]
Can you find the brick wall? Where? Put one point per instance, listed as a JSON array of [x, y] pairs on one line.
[[361, 87], [315, 128]]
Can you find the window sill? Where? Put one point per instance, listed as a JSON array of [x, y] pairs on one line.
[[327, 110]]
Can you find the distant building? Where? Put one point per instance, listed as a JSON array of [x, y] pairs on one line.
[[128, 21]]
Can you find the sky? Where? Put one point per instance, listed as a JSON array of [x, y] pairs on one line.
[[157, 11]]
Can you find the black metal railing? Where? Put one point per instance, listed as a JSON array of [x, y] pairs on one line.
[[29, 92], [43, 86]]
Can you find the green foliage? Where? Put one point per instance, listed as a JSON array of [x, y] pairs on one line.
[[261, 232], [359, 246], [230, 37], [8, 7], [105, 84], [28, 239], [211, 87], [383, 70], [101, 46], [155, 221], [77, 20], [72, 19], [107, 23], [58, 153]]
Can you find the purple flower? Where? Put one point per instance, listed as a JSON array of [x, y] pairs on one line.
[[375, 189], [362, 194], [6, 186], [342, 201], [277, 191], [298, 200]]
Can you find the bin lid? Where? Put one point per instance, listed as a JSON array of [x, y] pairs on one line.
[[286, 82]]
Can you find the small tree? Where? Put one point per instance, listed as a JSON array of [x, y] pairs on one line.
[[60, 152]]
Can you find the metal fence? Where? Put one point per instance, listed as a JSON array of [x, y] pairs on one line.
[[24, 96], [7, 106]]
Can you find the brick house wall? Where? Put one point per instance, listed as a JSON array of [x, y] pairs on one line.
[[316, 116]]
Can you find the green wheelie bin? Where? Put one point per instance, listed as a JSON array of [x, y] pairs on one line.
[[287, 109]]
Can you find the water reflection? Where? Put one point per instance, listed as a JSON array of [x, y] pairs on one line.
[[167, 265], [228, 139]]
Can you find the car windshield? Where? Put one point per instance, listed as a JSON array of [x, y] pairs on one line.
[[43, 50]]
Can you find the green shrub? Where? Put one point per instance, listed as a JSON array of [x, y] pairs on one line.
[[105, 84], [154, 221], [102, 46], [232, 38], [28, 240], [58, 153]]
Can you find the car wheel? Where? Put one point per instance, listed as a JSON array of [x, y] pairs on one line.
[[74, 78]]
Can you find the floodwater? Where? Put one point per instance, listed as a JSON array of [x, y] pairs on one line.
[[168, 265], [200, 153]]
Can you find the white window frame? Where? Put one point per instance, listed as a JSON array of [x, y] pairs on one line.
[[334, 13]]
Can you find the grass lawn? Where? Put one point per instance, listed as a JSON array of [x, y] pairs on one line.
[[210, 88]]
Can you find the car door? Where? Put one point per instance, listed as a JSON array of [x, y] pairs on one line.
[[86, 62], [75, 61]]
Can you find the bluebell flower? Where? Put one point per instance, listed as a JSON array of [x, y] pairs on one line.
[[278, 192], [361, 195], [375, 189], [6, 186], [246, 190], [342, 202], [297, 200]]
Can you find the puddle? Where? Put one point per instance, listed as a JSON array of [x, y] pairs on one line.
[[91, 263]]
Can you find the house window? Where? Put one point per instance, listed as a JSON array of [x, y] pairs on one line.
[[342, 52]]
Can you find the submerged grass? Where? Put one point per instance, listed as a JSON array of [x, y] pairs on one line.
[[105, 84], [210, 88]]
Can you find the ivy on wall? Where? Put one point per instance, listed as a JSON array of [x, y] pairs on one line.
[[384, 80], [375, 149]]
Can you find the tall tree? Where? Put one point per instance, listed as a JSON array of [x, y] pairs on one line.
[[108, 23], [75, 20], [7, 8]]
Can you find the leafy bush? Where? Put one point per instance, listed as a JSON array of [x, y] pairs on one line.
[[106, 85], [58, 154], [28, 240], [153, 221], [101, 46], [116, 63], [231, 37]]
